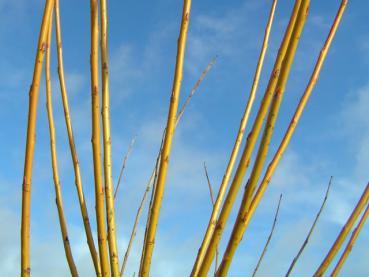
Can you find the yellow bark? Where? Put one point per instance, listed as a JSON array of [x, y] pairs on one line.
[[30, 141], [72, 146], [109, 195], [96, 132], [351, 242], [343, 234], [54, 161], [159, 190]]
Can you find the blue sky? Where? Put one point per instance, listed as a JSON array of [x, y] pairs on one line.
[[331, 139]]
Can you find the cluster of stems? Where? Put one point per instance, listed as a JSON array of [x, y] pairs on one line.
[[273, 94], [106, 259]]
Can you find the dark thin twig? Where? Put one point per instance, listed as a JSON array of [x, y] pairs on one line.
[[212, 202], [311, 229], [269, 238], [124, 165], [209, 184]]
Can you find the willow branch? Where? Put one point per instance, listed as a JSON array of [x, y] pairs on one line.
[[212, 202], [351, 242], [196, 86], [124, 165], [109, 194], [163, 168], [54, 161], [269, 238], [209, 184], [72, 145], [30, 141], [96, 144], [310, 231]]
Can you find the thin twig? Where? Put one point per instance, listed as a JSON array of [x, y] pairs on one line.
[[269, 238], [311, 229], [124, 165], [138, 215], [198, 83], [209, 184], [212, 202]]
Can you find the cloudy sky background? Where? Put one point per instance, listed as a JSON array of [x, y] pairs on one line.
[[331, 139]]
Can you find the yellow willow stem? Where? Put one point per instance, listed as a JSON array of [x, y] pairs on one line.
[[344, 232], [238, 228], [109, 194], [236, 147], [30, 141], [351, 242], [172, 116], [96, 148], [250, 143], [54, 161], [72, 146]]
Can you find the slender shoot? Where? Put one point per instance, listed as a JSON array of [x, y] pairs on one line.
[[130, 148], [269, 238], [311, 230]]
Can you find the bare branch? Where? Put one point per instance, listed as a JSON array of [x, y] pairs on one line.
[[213, 203], [311, 229], [209, 184], [124, 165], [269, 238]]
